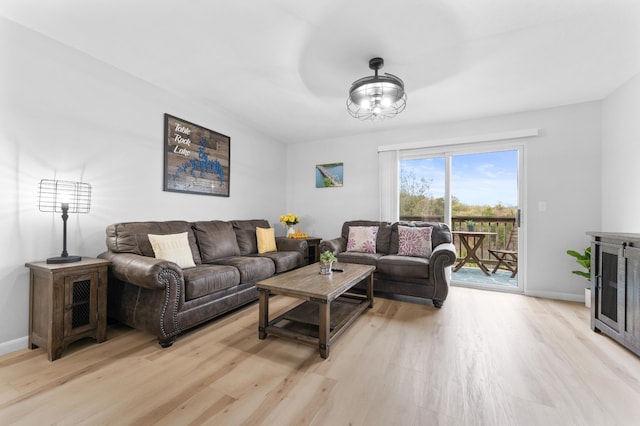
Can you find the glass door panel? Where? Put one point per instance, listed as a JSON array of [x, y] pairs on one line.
[[422, 189], [477, 193], [484, 208]]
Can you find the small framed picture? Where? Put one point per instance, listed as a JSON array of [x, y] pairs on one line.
[[329, 175]]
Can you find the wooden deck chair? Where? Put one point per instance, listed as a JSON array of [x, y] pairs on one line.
[[508, 258]]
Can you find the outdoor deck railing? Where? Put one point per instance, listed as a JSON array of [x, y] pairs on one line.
[[501, 226]]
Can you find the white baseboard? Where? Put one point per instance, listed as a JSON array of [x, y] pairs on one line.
[[14, 345], [570, 297]]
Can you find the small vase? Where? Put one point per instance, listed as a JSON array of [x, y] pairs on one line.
[[290, 231], [325, 268]]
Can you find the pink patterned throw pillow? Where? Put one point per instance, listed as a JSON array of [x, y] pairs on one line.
[[414, 242], [362, 239]]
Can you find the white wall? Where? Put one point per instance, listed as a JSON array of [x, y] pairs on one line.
[[562, 168], [67, 116], [620, 159], [64, 115]]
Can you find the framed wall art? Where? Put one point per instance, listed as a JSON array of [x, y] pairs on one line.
[[196, 159], [329, 175]]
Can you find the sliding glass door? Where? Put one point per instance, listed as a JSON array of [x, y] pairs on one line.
[[476, 191]]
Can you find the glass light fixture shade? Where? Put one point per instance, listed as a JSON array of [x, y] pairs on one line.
[[376, 97]]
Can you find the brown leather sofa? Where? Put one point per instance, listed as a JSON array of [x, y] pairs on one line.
[[160, 297], [426, 277]]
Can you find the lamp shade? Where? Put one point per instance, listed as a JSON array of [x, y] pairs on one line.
[[64, 196], [52, 194], [376, 97]]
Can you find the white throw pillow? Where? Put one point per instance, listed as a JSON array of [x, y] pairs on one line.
[[174, 248]]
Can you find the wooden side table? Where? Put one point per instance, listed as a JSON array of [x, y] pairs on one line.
[[67, 302]]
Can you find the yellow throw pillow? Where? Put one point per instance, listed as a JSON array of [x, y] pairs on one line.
[[174, 248], [266, 240]]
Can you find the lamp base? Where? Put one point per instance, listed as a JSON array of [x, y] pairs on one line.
[[64, 259]]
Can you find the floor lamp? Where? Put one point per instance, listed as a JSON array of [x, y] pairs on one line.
[[62, 196]]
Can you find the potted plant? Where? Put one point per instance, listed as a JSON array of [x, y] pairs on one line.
[[327, 258], [584, 260], [470, 225]]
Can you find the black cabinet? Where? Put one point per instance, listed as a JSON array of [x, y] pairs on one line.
[[615, 281]]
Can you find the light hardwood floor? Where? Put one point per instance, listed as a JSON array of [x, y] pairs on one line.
[[484, 359]]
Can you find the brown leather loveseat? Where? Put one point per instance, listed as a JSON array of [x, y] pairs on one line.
[[165, 299], [427, 276]]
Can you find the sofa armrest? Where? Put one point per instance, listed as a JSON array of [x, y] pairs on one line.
[[444, 253], [335, 245], [292, 244], [143, 271], [443, 256]]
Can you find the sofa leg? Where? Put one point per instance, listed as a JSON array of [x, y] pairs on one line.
[[437, 303], [166, 343]]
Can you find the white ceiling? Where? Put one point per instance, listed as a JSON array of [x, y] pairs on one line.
[[285, 66]]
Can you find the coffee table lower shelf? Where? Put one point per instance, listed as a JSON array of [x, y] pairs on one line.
[[302, 323], [329, 308]]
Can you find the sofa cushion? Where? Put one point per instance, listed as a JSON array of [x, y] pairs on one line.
[[173, 247], [216, 240], [250, 224], [285, 260], [441, 233], [132, 237], [414, 241], [362, 239], [382, 239], [207, 279], [361, 258], [246, 234], [251, 268], [247, 241], [401, 267], [266, 240]]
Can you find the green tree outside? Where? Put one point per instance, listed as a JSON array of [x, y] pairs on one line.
[[416, 199]]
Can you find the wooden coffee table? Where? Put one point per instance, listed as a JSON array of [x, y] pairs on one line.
[[328, 309]]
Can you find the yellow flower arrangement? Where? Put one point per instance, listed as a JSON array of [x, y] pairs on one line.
[[289, 219]]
